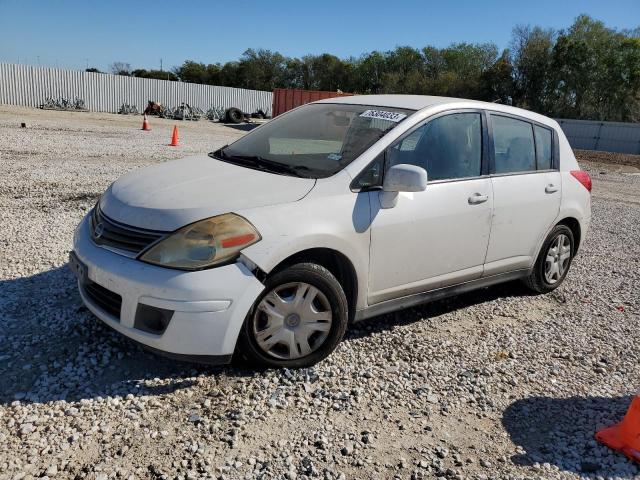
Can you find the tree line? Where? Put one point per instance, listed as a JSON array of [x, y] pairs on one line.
[[587, 71]]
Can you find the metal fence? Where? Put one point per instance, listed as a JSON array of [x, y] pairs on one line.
[[606, 136], [29, 86]]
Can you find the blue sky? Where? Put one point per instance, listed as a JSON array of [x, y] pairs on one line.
[[73, 33]]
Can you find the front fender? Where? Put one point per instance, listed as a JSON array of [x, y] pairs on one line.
[[340, 223]]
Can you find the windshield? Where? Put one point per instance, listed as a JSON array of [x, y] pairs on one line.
[[314, 141]]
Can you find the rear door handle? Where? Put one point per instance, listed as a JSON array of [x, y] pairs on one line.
[[477, 198], [551, 188]]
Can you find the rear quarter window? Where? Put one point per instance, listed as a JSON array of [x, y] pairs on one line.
[[544, 142]]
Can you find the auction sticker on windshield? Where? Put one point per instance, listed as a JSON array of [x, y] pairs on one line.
[[383, 115]]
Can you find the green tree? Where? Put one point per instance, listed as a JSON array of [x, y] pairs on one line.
[[624, 101], [157, 74], [496, 82], [368, 72], [230, 75], [297, 73], [404, 72], [261, 69], [121, 68], [192, 72], [464, 64], [328, 72], [586, 71], [596, 72], [531, 57], [212, 74]]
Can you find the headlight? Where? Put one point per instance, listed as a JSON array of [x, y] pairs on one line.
[[203, 244]]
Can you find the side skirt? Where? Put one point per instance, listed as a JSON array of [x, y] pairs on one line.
[[440, 293]]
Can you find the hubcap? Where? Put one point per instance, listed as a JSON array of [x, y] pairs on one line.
[[557, 260], [292, 321]]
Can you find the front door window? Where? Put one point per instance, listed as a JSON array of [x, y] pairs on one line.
[[448, 147]]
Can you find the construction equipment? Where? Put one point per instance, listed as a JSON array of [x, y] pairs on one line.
[[260, 113], [127, 109], [187, 112], [216, 114], [154, 108], [166, 112], [63, 103], [182, 112]]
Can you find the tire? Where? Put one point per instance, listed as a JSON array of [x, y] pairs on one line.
[[281, 339], [234, 115], [544, 278]]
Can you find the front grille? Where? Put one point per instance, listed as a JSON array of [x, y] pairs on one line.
[[117, 235], [105, 299]]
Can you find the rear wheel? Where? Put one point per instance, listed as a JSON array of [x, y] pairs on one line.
[[298, 320], [553, 261]]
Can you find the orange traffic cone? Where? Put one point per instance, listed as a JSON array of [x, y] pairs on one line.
[[145, 123], [174, 137], [624, 436]]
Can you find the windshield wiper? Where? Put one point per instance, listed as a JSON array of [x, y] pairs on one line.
[[280, 167], [264, 164]]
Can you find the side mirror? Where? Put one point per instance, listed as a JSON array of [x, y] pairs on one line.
[[405, 178]]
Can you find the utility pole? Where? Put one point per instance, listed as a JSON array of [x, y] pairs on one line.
[[160, 64]]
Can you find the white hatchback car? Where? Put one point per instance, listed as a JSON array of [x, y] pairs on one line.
[[334, 212]]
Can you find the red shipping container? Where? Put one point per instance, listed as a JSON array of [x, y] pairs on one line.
[[285, 99]]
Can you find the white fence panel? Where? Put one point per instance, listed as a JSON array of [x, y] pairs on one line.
[[30, 86], [606, 136]]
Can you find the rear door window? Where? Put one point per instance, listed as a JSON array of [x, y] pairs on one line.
[[514, 149]]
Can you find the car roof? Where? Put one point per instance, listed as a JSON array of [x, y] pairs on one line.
[[420, 102], [413, 102]]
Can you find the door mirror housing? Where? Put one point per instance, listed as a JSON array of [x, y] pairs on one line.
[[405, 178]]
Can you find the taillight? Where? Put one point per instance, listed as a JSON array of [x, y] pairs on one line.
[[583, 177]]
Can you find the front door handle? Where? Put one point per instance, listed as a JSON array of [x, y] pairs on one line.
[[477, 198], [551, 188]]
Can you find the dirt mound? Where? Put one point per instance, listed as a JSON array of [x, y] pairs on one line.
[[607, 157]]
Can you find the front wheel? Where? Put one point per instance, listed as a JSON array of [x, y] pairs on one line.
[[298, 320], [553, 261]]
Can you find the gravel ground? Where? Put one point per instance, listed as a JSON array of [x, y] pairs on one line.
[[493, 384], [610, 157]]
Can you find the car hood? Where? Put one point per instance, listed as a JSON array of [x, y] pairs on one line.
[[173, 194]]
